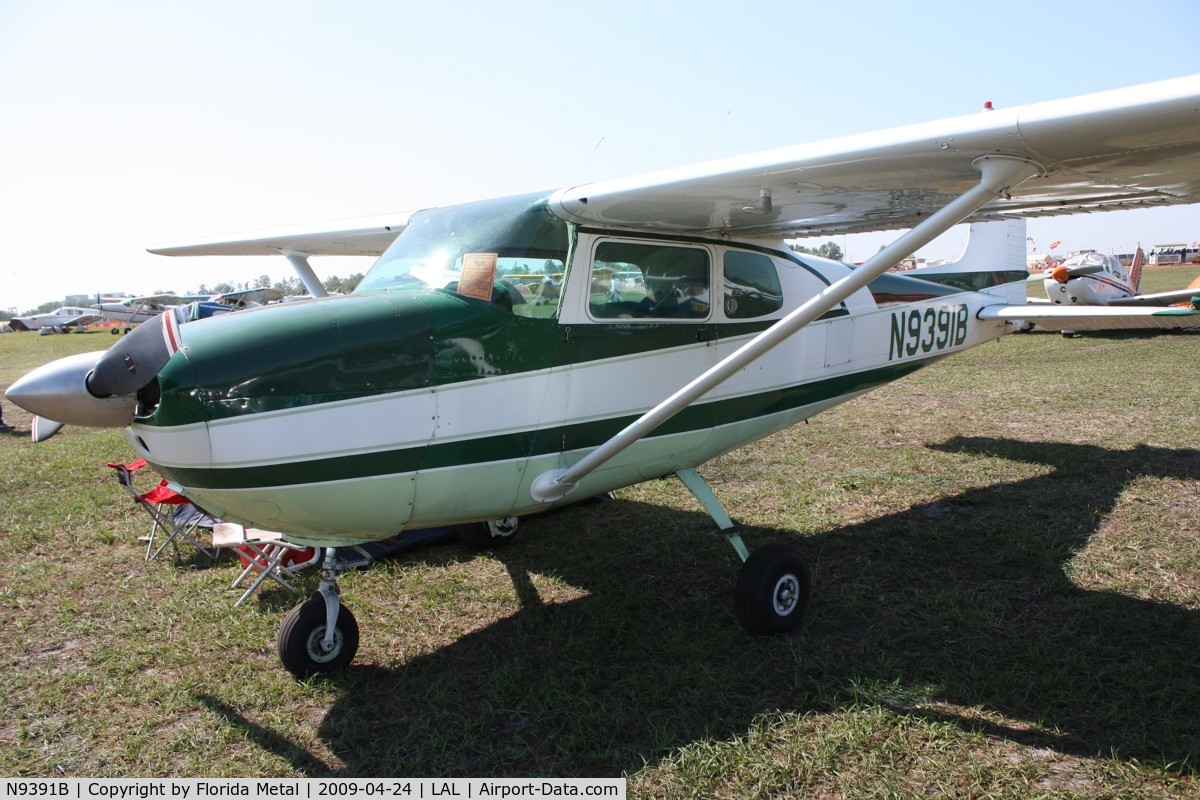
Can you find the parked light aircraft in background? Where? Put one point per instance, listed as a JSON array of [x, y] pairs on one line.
[[237, 300], [1088, 278], [442, 392], [137, 310], [59, 320]]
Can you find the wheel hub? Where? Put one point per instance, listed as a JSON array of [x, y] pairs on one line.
[[316, 649], [786, 594]]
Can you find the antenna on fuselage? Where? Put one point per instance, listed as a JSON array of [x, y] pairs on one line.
[[586, 164], [720, 128]]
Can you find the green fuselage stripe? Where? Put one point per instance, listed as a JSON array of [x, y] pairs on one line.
[[509, 446]]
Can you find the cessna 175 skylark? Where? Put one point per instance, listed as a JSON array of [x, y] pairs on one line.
[[341, 420]]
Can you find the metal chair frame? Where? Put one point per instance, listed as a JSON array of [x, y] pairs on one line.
[[266, 550], [156, 502]]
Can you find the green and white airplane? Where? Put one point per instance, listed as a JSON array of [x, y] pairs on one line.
[[507, 356]]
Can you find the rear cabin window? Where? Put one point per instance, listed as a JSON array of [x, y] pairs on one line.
[[650, 281], [751, 285]]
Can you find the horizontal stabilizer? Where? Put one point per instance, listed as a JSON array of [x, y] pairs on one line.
[[1092, 318]]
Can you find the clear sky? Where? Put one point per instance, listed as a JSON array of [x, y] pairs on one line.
[[127, 124]]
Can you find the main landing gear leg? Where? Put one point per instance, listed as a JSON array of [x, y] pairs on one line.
[[320, 635], [773, 585]]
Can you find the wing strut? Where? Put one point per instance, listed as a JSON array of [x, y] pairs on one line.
[[304, 271], [999, 173]]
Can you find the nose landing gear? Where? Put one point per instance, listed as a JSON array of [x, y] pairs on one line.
[[319, 635]]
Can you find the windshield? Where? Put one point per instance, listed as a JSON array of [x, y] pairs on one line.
[[1089, 259], [527, 243]]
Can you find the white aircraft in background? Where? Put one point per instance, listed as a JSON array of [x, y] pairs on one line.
[[137, 310], [59, 320], [1088, 279], [439, 394]]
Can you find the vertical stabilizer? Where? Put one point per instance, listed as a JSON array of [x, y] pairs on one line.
[[1135, 270], [993, 261]]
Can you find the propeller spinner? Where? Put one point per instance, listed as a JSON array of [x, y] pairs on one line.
[[97, 390]]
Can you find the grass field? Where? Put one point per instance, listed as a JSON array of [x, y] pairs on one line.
[[1006, 568]]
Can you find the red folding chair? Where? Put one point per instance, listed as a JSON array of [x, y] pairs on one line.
[[173, 514]]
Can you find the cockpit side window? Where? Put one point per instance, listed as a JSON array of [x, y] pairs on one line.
[[535, 289], [650, 281], [751, 285]]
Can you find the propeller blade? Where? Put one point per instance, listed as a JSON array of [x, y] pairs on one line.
[[44, 428], [136, 359]]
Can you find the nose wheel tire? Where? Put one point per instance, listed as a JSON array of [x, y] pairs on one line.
[[302, 635], [772, 590]]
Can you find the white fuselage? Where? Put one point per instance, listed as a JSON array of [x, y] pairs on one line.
[[1086, 290], [829, 362], [1069, 284], [59, 318]]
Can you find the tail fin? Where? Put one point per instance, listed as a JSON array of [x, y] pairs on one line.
[[1135, 269], [993, 261]]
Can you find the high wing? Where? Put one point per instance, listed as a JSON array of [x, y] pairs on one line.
[[366, 236], [1096, 318], [1158, 299], [1128, 148], [154, 300], [167, 299]]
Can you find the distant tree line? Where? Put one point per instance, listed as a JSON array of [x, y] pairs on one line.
[[292, 285], [828, 250]]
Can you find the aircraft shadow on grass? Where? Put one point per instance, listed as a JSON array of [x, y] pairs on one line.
[[962, 603]]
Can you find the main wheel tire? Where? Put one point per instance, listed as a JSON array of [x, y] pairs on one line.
[[301, 634], [773, 588]]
